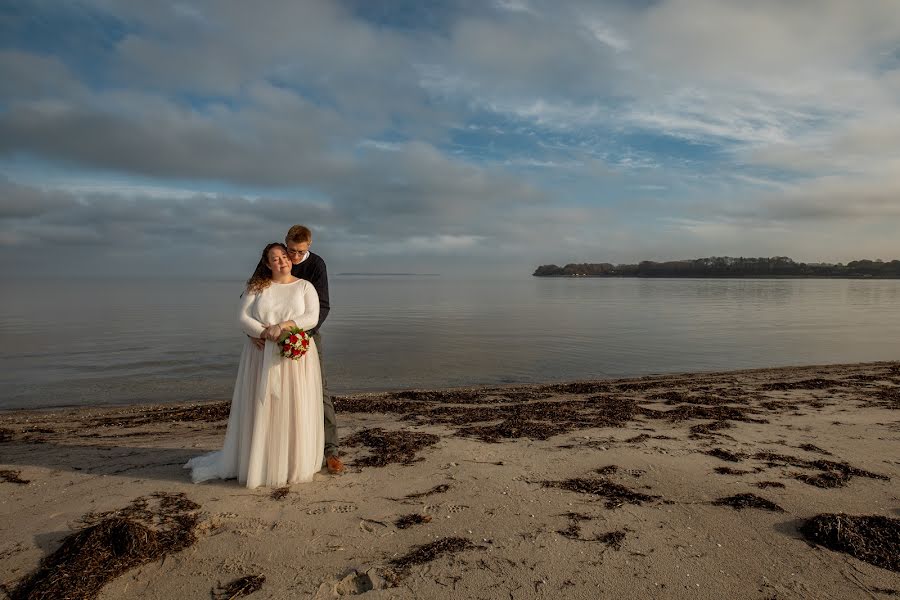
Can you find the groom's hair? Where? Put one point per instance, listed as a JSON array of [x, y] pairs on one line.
[[298, 234]]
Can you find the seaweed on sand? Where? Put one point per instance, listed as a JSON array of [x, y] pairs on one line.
[[613, 539], [496, 414], [10, 476], [114, 543], [730, 471], [669, 397], [239, 588], [873, 539], [674, 397], [740, 501], [806, 384], [723, 454], [578, 387], [694, 412], [813, 448], [650, 384], [206, 412], [407, 521], [573, 531], [768, 484], [614, 493], [280, 493], [888, 398], [710, 428], [389, 447], [438, 489], [516, 428], [832, 473], [426, 553], [374, 405]]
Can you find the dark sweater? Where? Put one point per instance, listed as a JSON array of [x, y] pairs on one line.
[[313, 270]]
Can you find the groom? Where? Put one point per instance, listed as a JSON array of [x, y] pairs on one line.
[[311, 267]]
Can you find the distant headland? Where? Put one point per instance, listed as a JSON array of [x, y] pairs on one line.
[[727, 266]]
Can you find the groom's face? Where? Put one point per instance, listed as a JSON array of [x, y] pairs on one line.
[[297, 250]]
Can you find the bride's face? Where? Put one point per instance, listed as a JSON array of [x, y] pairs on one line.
[[278, 261]]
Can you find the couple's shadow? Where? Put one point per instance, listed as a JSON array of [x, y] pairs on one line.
[[162, 464]]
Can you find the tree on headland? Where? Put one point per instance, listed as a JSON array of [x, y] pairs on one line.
[[726, 266]]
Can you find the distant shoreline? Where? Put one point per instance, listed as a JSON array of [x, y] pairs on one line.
[[726, 276], [728, 267]]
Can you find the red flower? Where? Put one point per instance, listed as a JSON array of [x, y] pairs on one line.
[[305, 343], [293, 339], [295, 352]]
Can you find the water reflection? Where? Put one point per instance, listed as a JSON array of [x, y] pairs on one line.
[[149, 341]]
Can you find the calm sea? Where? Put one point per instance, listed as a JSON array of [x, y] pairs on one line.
[[90, 343]]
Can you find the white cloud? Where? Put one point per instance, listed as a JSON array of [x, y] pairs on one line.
[[792, 108], [603, 33]]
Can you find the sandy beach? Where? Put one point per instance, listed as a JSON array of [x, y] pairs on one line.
[[676, 486]]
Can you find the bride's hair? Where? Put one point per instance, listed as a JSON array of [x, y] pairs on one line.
[[262, 276]]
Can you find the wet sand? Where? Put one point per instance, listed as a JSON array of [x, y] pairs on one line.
[[677, 486]]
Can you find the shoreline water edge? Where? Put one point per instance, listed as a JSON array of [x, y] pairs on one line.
[[706, 485]]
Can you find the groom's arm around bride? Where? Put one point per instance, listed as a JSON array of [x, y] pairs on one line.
[[311, 267]]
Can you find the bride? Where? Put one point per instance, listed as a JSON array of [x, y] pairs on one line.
[[275, 429]]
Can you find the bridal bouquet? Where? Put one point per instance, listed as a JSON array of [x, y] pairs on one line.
[[293, 343]]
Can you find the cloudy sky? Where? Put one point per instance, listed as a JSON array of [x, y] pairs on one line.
[[469, 136]]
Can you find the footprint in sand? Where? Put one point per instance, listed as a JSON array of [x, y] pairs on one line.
[[451, 508], [335, 508]]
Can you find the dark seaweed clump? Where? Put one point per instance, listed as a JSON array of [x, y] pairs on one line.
[[426, 553], [280, 493], [613, 539], [873, 539], [114, 543], [438, 489], [730, 471], [239, 588], [616, 494], [10, 476], [831, 473], [578, 387], [806, 384], [723, 454], [496, 414], [407, 521], [740, 501], [768, 484], [710, 428], [389, 447], [885, 398], [715, 413], [813, 448], [209, 413]]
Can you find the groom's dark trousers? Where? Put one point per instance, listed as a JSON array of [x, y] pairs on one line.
[[331, 438], [314, 271]]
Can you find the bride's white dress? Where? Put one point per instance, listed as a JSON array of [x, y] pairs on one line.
[[275, 430]]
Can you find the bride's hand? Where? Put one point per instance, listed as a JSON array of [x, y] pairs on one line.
[[272, 332]]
